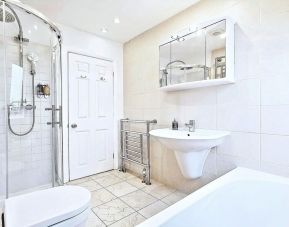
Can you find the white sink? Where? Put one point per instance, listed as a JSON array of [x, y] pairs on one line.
[[191, 148]]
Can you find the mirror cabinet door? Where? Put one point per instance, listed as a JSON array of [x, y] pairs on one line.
[[216, 50], [197, 56], [164, 58], [188, 58]]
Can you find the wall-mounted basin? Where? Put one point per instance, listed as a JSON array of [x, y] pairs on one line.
[[191, 148]]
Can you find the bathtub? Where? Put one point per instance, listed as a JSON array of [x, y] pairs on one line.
[[240, 198]]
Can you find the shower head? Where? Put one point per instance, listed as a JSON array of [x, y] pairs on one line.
[[33, 59], [9, 18]]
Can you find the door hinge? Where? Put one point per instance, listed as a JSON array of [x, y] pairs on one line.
[[113, 156]]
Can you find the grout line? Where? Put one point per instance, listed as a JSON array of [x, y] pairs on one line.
[[122, 217], [114, 197], [142, 207], [98, 217], [126, 217], [121, 199]]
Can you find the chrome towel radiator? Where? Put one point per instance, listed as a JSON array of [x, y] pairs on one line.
[[135, 145]]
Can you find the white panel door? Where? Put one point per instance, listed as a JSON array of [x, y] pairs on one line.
[[90, 116]]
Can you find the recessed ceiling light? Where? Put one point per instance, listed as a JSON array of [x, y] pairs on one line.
[[35, 26], [104, 30], [29, 31], [116, 20]]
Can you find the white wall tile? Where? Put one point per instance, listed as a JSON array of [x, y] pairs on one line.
[[246, 56], [274, 120], [274, 90], [226, 163], [238, 118], [275, 149], [205, 116], [245, 92], [243, 145], [277, 169], [199, 96]]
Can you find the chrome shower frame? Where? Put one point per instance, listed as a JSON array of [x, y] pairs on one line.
[[21, 39], [37, 14], [55, 29]]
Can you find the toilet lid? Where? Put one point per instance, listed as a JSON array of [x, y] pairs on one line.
[[46, 207]]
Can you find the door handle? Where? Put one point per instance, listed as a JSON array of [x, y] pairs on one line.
[[73, 125]]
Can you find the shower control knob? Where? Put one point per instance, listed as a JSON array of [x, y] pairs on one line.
[[74, 125]]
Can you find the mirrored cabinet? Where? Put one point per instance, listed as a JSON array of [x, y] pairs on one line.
[[202, 57]]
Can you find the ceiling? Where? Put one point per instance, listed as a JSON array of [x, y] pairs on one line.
[[136, 16]]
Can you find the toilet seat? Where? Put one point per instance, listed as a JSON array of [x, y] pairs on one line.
[[46, 207]]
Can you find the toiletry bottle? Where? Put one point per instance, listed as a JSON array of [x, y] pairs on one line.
[[175, 125]]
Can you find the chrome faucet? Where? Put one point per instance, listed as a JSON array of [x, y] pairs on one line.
[[191, 125]]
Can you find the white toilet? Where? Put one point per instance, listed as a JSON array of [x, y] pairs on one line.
[[64, 206]]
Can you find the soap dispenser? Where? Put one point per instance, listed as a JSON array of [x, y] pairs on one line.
[[175, 125]]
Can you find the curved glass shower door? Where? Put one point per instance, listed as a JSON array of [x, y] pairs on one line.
[[33, 122]]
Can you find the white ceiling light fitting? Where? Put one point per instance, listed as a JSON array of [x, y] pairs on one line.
[[116, 20]]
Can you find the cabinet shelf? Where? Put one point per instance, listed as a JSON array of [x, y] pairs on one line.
[[196, 84]]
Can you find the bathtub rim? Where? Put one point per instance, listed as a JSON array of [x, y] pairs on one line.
[[235, 175]]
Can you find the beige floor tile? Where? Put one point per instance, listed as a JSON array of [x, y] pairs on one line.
[[90, 185], [137, 182], [153, 209], [122, 175], [121, 188], [101, 196], [113, 211], [158, 191], [138, 199], [174, 197], [94, 221], [108, 180], [100, 175], [130, 221], [79, 181]]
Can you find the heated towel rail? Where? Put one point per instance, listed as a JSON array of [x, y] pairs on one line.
[[135, 145]]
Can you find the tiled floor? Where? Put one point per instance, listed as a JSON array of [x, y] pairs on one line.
[[121, 200]]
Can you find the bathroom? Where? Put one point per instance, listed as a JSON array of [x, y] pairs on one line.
[[61, 134]]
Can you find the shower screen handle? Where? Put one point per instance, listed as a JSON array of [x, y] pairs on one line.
[[53, 121], [52, 109], [60, 116]]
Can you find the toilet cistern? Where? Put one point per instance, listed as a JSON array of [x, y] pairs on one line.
[[191, 125]]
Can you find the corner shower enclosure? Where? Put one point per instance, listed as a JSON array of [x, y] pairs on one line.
[[30, 101]]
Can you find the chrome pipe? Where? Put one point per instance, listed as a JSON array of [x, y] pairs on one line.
[[139, 152], [154, 121]]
